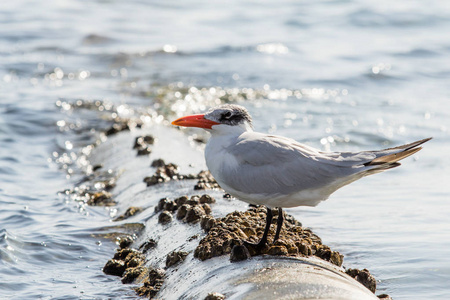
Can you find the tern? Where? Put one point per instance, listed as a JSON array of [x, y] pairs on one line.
[[279, 172]]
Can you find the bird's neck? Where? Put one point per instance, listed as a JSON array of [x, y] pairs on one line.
[[217, 155], [222, 137], [227, 130]]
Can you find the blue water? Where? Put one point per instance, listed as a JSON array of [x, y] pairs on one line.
[[338, 75]]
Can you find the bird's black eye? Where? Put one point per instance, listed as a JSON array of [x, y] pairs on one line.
[[227, 115]]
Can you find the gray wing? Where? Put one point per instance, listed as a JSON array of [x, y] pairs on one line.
[[273, 164]]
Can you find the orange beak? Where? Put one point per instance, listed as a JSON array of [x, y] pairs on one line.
[[195, 121]]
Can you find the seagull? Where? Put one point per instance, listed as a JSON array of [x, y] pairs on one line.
[[279, 172]]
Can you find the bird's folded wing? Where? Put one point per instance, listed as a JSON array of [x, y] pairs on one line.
[[270, 163]]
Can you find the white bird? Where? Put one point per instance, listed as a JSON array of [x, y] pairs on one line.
[[280, 172]]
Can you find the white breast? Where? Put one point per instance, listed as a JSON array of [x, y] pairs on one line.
[[218, 159]]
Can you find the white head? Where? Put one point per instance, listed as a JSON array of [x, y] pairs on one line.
[[228, 117]]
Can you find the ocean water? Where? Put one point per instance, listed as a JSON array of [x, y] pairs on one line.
[[337, 75]]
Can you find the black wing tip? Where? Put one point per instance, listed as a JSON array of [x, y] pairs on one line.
[[404, 151], [410, 145], [388, 165], [382, 167], [424, 140], [417, 143]]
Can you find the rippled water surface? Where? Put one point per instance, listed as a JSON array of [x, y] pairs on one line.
[[338, 75]]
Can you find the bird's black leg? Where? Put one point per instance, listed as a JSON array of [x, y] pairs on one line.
[[263, 240], [279, 223]]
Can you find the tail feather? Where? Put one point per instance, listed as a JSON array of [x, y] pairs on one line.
[[384, 160], [409, 146], [393, 155], [392, 158]]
